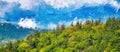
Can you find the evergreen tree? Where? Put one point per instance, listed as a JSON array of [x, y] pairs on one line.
[[71, 24], [72, 39]]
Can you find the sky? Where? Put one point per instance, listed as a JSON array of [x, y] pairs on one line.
[[47, 14]]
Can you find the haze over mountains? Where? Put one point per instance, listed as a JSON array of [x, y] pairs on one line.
[[9, 32]]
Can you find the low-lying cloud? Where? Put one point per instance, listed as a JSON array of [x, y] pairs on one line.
[[27, 23]]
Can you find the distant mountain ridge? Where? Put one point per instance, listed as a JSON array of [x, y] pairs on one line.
[[9, 31]]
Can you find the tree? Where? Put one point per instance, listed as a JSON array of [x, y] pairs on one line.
[[79, 24], [71, 24], [112, 24], [93, 37], [60, 28], [97, 22]]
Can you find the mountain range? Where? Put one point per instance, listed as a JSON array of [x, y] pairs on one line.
[[9, 32]]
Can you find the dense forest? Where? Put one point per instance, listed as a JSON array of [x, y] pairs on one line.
[[91, 36]]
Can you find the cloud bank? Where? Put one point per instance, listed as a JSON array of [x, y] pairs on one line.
[[9, 5], [51, 26], [6, 8], [58, 4], [27, 23], [25, 4]]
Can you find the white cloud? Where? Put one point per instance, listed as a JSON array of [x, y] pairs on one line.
[[76, 3], [27, 23], [79, 3], [115, 4], [25, 4], [52, 26], [74, 21], [10, 1], [28, 4], [60, 3], [6, 8], [10, 4]]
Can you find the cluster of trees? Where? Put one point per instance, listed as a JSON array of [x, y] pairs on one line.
[[91, 36]]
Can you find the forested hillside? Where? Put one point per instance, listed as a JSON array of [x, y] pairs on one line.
[[91, 36]]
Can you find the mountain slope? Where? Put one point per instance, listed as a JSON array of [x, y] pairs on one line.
[[92, 36], [9, 31]]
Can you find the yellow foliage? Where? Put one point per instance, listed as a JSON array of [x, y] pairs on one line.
[[118, 31], [23, 45], [99, 28]]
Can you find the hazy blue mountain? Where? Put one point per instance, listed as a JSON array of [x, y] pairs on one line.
[[9, 31]]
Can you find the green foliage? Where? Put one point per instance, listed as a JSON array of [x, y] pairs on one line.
[[92, 36]]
